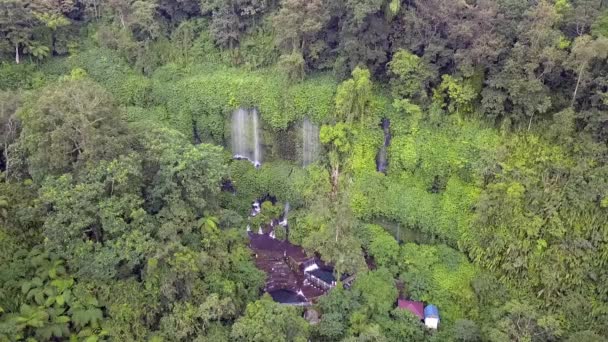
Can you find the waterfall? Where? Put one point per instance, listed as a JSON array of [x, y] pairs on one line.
[[246, 136], [257, 158], [382, 158], [310, 142], [283, 222], [381, 162], [239, 137], [311, 268]]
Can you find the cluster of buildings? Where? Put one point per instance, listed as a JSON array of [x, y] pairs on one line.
[[294, 278]]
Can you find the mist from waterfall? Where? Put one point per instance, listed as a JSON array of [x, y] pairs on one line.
[[246, 136], [310, 142]]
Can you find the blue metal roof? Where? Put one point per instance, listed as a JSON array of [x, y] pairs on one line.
[[431, 311]]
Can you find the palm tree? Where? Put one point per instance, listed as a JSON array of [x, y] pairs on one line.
[[31, 316], [209, 230], [39, 51], [209, 223]]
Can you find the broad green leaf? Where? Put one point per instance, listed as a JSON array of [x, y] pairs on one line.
[[60, 300], [49, 301], [62, 319]]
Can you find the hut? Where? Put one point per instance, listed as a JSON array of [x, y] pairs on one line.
[[416, 308], [431, 316], [321, 278]]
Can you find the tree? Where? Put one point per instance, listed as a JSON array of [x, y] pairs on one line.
[[579, 16], [600, 27], [519, 90], [403, 326], [335, 239], [16, 24], [138, 17], [179, 11], [354, 95], [410, 76], [230, 20], [377, 290], [161, 193], [336, 307], [38, 51], [294, 66], [584, 50], [226, 27], [33, 27], [524, 225], [69, 124], [522, 322], [456, 96], [585, 336], [517, 87], [299, 21], [187, 321], [364, 26], [384, 249], [466, 331], [134, 213], [90, 215], [92, 8], [266, 321], [338, 138], [10, 128], [454, 36], [53, 307], [187, 178], [183, 39], [54, 18]]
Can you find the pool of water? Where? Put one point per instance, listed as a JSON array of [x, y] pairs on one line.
[[287, 297]]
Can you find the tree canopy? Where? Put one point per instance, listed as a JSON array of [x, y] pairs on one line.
[[448, 152]]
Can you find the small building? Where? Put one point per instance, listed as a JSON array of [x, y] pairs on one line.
[[321, 278], [416, 308], [431, 316]]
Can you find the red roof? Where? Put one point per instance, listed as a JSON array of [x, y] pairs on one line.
[[417, 308]]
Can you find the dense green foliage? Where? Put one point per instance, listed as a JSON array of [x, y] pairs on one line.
[[122, 215]]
